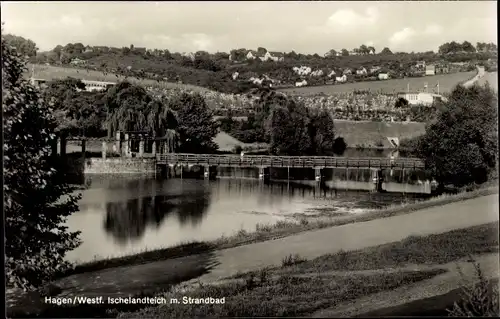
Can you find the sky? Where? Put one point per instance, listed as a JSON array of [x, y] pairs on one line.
[[305, 27]]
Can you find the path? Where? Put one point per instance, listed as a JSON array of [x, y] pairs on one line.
[[438, 285], [480, 74], [228, 262], [355, 236]]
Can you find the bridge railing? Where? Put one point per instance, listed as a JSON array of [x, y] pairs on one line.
[[287, 161]]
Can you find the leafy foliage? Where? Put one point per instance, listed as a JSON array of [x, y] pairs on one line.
[[25, 47], [77, 112], [460, 147], [37, 199], [197, 128]]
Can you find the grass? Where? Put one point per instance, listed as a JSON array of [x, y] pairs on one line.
[[428, 250], [301, 287], [372, 133], [446, 84], [265, 232], [282, 296]]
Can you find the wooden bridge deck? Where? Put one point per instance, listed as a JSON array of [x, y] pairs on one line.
[[287, 161]]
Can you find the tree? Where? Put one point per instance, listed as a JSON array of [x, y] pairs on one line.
[[261, 51], [196, 128], [322, 133], [371, 49], [23, 46], [345, 52], [386, 51], [460, 147], [330, 54], [289, 130], [37, 200], [468, 47], [363, 49]]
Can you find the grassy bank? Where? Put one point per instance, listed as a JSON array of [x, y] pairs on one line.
[[301, 287], [269, 232]]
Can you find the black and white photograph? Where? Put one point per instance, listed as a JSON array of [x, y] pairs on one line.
[[214, 159]]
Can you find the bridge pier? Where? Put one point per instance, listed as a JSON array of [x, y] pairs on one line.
[[153, 148], [84, 148], [118, 142], [209, 172], [141, 148], [126, 148], [104, 149], [61, 146], [378, 179], [318, 174], [264, 173]]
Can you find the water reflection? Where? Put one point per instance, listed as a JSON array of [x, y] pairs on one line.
[[127, 221], [124, 215]]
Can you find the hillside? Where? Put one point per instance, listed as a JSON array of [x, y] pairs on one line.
[[49, 72]]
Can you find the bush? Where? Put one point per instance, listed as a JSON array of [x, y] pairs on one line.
[[35, 239], [479, 299]]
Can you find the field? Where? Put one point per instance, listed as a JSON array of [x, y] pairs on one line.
[[369, 134], [49, 72], [446, 83]]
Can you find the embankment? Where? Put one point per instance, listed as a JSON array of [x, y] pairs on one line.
[[375, 134], [119, 166]]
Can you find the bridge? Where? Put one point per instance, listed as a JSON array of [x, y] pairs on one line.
[[210, 162], [287, 161]]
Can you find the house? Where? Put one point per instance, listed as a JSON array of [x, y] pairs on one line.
[[251, 55], [361, 71], [347, 71], [375, 69], [302, 83], [188, 55], [421, 98], [91, 86], [341, 79], [420, 65], [332, 73], [88, 49], [77, 61], [383, 76], [353, 52], [442, 69], [272, 56], [430, 69], [371, 51], [277, 56]]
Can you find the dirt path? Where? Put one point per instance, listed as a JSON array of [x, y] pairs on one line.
[[438, 285], [480, 74], [354, 236]]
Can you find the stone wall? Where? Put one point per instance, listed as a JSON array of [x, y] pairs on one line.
[[119, 166]]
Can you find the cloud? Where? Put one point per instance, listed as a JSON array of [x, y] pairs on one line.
[[370, 44], [71, 21], [200, 41], [347, 18], [403, 36], [433, 29]]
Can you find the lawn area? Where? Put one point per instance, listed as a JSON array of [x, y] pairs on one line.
[[301, 287], [446, 83]]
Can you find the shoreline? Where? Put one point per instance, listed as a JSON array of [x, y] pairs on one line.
[[266, 232]]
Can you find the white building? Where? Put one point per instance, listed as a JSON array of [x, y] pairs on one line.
[[341, 79], [383, 76], [421, 98], [299, 84], [91, 86]]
